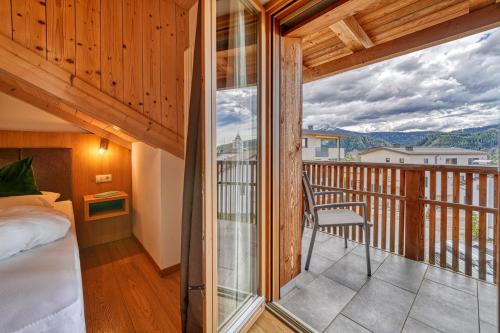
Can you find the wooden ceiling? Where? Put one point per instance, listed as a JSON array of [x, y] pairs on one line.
[[347, 29]]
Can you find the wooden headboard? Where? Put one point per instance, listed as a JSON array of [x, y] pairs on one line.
[[52, 167]]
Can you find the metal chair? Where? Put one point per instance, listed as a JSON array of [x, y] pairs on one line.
[[332, 215]]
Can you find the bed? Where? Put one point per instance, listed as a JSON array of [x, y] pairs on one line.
[[41, 289]]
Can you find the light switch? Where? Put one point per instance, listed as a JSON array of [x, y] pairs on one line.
[[103, 178]]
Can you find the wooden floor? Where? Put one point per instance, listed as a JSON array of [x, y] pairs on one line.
[[268, 323], [124, 293]]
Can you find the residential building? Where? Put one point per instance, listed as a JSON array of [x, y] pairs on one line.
[[320, 145], [423, 155]]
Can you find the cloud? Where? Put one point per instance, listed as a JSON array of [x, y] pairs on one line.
[[446, 87], [236, 114]]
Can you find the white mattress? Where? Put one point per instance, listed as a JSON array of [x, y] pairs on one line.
[[41, 289]]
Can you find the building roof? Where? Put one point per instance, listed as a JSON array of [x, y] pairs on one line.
[[426, 151], [323, 134]]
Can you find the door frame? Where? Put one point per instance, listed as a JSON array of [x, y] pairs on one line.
[[209, 170]]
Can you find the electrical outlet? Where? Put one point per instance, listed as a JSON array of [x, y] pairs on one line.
[[103, 178]]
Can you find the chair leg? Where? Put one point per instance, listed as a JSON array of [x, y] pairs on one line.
[[345, 236], [367, 247], [311, 245], [303, 223]]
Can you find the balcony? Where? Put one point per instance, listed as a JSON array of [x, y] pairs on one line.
[[433, 248], [336, 295], [442, 215]]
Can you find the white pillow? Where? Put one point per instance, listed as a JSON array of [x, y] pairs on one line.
[[24, 227], [51, 197], [25, 200]]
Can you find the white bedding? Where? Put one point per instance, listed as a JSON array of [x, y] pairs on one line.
[[41, 289]]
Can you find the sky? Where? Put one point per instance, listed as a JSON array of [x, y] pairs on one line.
[[447, 87]]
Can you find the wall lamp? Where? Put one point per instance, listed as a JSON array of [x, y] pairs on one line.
[[103, 147]]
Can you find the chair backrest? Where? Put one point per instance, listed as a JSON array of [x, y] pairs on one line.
[[308, 193]]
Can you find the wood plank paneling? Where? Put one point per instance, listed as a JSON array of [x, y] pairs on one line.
[[86, 163], [61, 33], [111, 48], [290, 159], [88, 41], [483, 191], [432, 218], [29, 25], [132, 54], [456, 221], [414, 228], [468, 223], [402, 192], [182, 44], [6, 18], [169, 107], [443, 229], [376, 212], [151, 59], [132, 51]]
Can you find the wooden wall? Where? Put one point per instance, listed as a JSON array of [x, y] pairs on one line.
[[132, 50], [290, 159], [87, 163]]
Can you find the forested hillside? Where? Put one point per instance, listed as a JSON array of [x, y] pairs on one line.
[[477, 138]]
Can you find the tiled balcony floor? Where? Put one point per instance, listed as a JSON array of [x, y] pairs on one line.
[[402, 295]]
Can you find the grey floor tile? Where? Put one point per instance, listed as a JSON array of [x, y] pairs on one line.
[[445, 308], [318, 264], [320, 236], [380, 307], [351, 271], [343, 324], [319, 302], [414, 326], [300, 281], [487, 327], [334, 248], [402, 272], [488, 304], [450, 279], [375, 254]]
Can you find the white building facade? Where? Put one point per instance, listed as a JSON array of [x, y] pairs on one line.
[[423, 155], [321, 146], [438, 156]]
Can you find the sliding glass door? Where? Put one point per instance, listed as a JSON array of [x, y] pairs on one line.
[[237, 158]]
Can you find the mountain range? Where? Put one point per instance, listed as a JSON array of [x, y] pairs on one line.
[[477, 138]]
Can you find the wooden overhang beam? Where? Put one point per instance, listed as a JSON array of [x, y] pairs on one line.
[[352, 34], [475, 22], [51, 81], [32, 96], [338, 11]]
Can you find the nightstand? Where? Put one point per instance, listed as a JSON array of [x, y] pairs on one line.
[[102, 208]]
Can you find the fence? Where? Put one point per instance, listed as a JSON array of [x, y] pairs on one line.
[[445, 215]]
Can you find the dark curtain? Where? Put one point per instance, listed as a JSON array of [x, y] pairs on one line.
[[192, 289]]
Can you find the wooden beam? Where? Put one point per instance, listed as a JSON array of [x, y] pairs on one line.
[[27, 67], [290, 159], [351, 34], [414, 208], [34, 97], [477, 21], [339, 10]]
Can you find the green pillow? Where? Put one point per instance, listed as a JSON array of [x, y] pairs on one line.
[[17, 179]]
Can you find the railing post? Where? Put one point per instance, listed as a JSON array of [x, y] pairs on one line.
[[414, 209]]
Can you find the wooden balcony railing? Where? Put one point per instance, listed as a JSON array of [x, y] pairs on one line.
[[236, 189], [445, 215]]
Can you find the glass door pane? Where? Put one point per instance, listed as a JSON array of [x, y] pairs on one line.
[[237, 109]]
